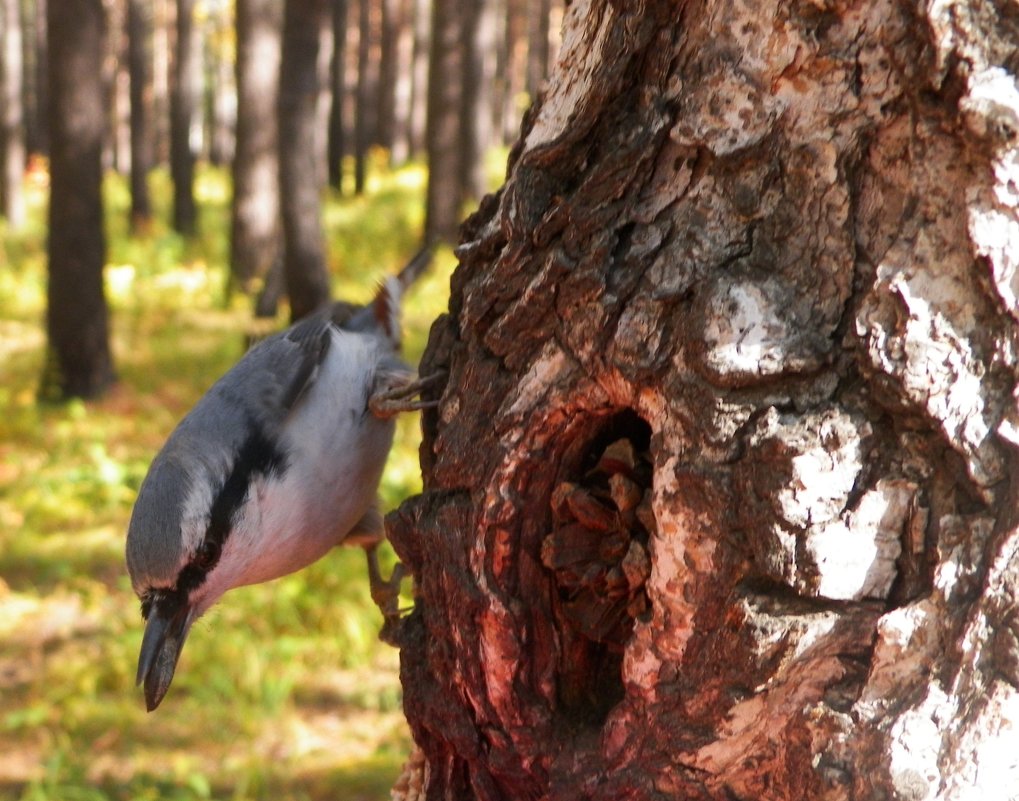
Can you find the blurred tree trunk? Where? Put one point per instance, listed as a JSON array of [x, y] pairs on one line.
[[399, 148], [139, 59], [163, 15], [337, 143], [479, 47], [220, 108], [538, 13], [117, 145], [78, 361], [12, 134], [182, 110], [34, 70], [512, 72], [255, 207], [385, 103], [445, 107], [307, 280], [722, 496], [418, 114], [366, 106]]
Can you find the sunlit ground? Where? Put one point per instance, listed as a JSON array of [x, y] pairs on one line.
[[283, 690]]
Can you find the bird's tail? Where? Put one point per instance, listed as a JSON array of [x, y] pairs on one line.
[[384, 311], [416, 266]]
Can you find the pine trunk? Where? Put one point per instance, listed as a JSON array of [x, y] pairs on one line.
[[337, 142], [182, 110], [443, 134], [307, 280], [139, 58], [366, 107], [721, 496], [255, 208], [12, 129], [78, 354]]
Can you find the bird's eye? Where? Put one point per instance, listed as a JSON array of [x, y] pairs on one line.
[[207, 554]]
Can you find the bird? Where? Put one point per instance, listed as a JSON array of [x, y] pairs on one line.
[[275, 465]]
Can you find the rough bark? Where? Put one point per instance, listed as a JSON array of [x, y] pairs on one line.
[[182, 110], [12, 131], [255, 208], [139, 58], [721, 495], [78, 355], [304, 264]]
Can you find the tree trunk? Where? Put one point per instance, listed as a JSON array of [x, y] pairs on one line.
[[403, 85], [512, 71], [419, 78], [385, 104], [337, 142], [34, 94], [538, 13], [182, 110], [117, 156], [721, 496], [255, 208], [476, 112], [307, 281], [12, 134], [220, 114], [162, 12], [139, 58], [445, 97], [366, 108], [78, 355]]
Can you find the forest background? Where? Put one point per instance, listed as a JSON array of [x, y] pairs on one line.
[[387, 119]]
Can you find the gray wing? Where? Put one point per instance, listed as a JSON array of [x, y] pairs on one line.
[[271, 378], [269, 381]]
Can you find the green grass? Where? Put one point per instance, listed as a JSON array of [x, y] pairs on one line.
[[283, 690]]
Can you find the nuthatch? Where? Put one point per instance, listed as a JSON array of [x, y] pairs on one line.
[[278, 462]]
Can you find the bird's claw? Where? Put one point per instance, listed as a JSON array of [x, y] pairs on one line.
[[403, 397], [385, 592]]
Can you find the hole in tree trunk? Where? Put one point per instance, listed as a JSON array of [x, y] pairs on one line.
[[597, 555]]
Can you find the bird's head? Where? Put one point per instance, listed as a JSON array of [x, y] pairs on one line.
[[177, 567]]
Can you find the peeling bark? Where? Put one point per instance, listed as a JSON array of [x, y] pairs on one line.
[[776, 247]]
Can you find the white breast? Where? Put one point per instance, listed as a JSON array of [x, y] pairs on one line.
[[336, 450]]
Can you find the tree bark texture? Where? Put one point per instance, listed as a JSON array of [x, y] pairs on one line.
[[78, 355], [139, 57], [304, 263], [255, 208], [721, 495], [12, 132], [182, 109]]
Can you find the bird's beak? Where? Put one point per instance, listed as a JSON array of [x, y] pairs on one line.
[[165, 633]]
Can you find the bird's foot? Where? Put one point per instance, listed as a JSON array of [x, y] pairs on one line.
[[385, 592], [402, 394]]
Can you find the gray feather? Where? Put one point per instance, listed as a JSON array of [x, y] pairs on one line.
[[260, 390]]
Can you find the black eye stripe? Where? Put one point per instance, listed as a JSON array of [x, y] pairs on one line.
[[257, 456]]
